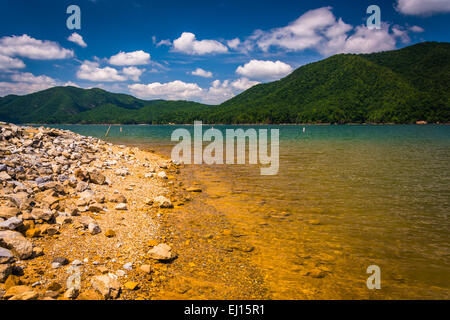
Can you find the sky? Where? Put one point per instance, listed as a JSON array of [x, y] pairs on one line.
[[205, 51]]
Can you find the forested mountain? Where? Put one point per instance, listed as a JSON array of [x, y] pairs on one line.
[[401, 86]]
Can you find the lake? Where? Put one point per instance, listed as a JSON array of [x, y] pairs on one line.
[[345, 198]]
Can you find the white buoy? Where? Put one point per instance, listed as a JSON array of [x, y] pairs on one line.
[[304, 129]]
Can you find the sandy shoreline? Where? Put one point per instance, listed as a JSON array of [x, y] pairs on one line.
[[118, 219]]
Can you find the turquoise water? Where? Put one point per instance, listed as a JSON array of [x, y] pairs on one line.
[[380, 193]]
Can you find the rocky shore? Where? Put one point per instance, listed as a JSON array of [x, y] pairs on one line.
[[79, 217]]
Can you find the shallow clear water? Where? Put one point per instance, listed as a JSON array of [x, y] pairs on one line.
[[380, 193]]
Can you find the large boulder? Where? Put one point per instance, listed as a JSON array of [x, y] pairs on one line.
[[16, 242], [6, 256]]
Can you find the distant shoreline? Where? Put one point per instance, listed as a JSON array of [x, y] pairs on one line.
[[238, 124]]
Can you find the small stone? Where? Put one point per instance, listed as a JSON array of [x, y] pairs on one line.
[[162, 252], [103, 270], [8, 212], [90, 295], [97, 178], [110, 233], [71, 293], [61, 220], [314, 222], [77, 263], [128, 266], [163, 202], [94, 228], [6, 256], [121, 207], [194, 189], [17, 243], [162, 175], [11, 224], [146, 268], [54, 286], [63, 261], [33, 233], [130, 285]]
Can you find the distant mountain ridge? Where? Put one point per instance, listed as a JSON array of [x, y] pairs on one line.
[[401, 86]]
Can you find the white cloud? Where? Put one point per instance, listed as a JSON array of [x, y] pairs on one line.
[[133, 73], [422, 7], [78, 39], [320, 30], [166, 42], [218, 92], [175, 90], [243, 84], [202, 73], [234, 43], [264, 70], [135, 58], [92, 72], [417, 29], [25, 83], [7, 63], [71, 84], [187, 43], [28, 47]]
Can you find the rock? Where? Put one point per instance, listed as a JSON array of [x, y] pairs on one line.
[[42, 214], [61, 260], [4, 176], [82, 186], [94, 228], [11, 224], [77, 263], [17, 243], [193, 189], [8, 212], [163, 202], [54, 286], [51, 231], [110, 233], [162, 252], [81, 175], [5, 271], [6, 256], [71, 293], [146, 268], [61, 220], [90, 295], [128, 266], [121, 207], [37, 252], [162, 175], [117, 198], [95, 207], [97, 178], [103, 270], [314, 222], [107, 285], [130, 285], [317, 273], [121, 172], [33, 233], [20, 293]]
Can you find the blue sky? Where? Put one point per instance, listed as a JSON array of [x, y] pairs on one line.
[[205, 51]]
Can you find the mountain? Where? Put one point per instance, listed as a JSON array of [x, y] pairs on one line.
[[75, 105], [401, 86]]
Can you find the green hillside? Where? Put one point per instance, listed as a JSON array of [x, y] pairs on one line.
[[402, 86]]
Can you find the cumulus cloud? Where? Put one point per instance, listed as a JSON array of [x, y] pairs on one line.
[[243, 84], [175, 90], [422, 7], [187, 43], [264, 70], [320, 30], [133, 73], [166, 42], [28, 47], [93, 72], [7, 63], [78, 39], [25, 83], [218, 92], [202, 73], [135, 58]]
